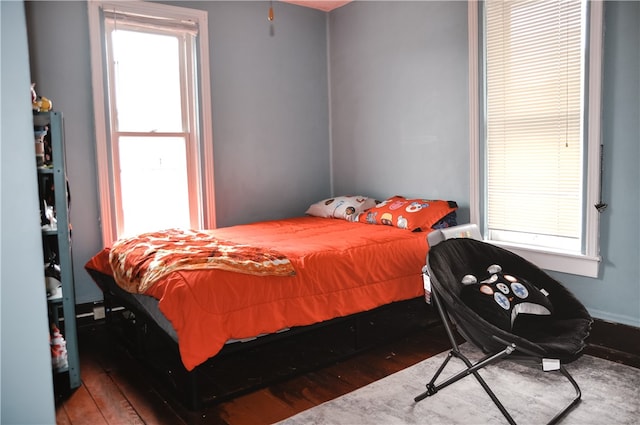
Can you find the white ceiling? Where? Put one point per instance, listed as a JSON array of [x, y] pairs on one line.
[[324, 5]]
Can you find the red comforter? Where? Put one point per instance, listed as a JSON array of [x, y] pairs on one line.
[[340, 267]]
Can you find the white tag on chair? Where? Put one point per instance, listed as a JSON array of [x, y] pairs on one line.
[[427, 285], [550, 364]]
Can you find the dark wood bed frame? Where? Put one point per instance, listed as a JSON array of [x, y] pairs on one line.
[[265, 360]]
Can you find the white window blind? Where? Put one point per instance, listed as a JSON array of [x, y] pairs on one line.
[[534, 129]]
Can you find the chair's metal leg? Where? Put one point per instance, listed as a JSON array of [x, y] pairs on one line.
[[573, 402], [445, 321], [431, 388], [472, 369], [566, 374]]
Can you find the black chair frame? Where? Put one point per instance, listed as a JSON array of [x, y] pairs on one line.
[[497, 346]]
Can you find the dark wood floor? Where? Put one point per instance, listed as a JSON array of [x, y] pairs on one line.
[[116, 390]]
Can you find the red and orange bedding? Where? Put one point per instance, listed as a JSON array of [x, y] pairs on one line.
[[340, 268]]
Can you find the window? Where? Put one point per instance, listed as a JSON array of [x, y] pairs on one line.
[[537, 66], [151, 100]]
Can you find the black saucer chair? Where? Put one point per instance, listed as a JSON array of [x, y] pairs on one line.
[[555, 334]]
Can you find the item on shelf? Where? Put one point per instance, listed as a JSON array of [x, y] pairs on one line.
[[39, 103], [34, 98], [50, 217], [52, 279], [39, 134], [48, 152], [59, 359]]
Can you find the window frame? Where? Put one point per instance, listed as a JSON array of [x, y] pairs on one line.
[[587, 262], [202, 174]]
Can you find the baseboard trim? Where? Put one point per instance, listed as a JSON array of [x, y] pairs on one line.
[[615, 318], [615, 341]]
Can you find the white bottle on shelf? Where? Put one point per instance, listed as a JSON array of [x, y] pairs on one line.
[[59, 359]]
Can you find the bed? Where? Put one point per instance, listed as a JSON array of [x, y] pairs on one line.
[[336, 261]]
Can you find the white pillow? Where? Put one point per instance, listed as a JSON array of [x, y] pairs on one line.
[[344, 207]]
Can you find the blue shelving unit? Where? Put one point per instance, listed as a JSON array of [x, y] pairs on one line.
[[61, 310]]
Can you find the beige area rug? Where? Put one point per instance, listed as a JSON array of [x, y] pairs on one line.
[[610, 395]]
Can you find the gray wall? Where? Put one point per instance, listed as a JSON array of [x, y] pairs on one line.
[[270, 110], [59, 47], [26, 393], [269, 102], [60, 67], [396, 88], [398, 80], [399, 96], [615, 296]]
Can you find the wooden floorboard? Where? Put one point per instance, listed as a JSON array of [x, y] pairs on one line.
[[112, 403], [61, 416], [132, 382], [117, 390], [81, 408]]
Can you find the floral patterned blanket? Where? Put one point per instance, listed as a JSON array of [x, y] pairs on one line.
[[138, 262]]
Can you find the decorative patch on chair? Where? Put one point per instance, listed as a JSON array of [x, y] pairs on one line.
[[500, 298]]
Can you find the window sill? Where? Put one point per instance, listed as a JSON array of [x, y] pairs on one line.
[[564, 262]]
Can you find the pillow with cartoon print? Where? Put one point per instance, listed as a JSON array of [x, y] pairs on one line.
[[344, 207], [411, 214]]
